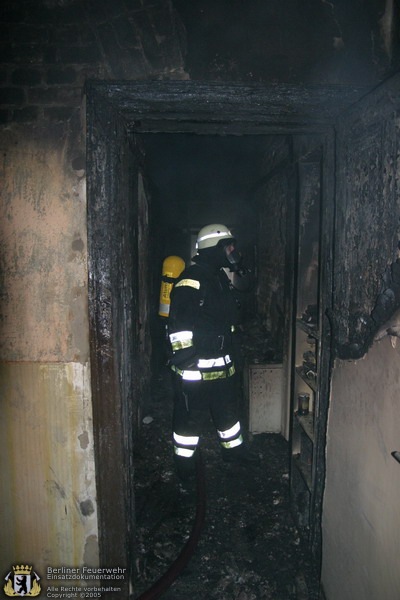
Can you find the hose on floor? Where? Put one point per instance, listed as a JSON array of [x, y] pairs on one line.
[[186, 553]]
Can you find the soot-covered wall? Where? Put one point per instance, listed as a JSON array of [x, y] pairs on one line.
[[300, 42], [273, 196], [367, 269]]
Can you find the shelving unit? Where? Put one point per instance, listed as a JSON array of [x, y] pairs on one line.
[[309, 369], [304, 424]]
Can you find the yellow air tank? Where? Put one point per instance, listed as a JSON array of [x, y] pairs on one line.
[[171, 269]]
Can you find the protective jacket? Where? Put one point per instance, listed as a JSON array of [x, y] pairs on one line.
[[201, 328]]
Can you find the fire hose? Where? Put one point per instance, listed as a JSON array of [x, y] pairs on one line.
[[166, 580]]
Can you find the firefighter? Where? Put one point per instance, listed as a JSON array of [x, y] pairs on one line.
[[203, 316]]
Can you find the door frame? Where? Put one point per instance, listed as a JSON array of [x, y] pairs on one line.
[[115, 112]]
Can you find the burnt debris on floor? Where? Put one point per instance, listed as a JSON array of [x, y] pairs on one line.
[[249, 547]]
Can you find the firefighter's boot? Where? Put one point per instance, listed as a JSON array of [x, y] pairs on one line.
[[185, 467], [240, 455]]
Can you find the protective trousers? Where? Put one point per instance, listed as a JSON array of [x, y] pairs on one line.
[[194, 401]]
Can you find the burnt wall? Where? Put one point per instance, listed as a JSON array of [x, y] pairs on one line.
[[309, 41], [49, 49], [272, 197], [367, 225]]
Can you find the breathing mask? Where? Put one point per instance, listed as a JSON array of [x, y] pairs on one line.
[[232, 255]]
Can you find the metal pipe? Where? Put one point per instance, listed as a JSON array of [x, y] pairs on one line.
[[181, 561]]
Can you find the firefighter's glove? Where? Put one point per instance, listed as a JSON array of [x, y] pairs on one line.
[[185, 358]]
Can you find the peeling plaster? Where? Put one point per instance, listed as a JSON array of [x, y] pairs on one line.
[[84, 440], [338, 43], [86, 507], [90, 557]]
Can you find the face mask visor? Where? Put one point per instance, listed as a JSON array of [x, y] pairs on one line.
[[233, 255]]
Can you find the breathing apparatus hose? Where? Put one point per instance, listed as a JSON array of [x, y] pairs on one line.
[[186, 553]]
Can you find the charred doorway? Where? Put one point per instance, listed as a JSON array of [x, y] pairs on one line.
[[119, 223]]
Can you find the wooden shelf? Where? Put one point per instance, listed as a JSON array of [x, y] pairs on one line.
[[304, 470], [311, 330], [306, 422], [310, 382]]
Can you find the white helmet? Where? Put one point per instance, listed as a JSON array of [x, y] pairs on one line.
[[210, 235]]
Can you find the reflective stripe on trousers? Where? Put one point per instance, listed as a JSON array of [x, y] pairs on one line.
[[230, 438], [189, 375], [185, 445]]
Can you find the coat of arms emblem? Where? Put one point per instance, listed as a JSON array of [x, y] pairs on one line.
[[21, 581]]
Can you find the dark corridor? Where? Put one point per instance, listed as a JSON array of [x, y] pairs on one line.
[[250, 547], [193, 180]]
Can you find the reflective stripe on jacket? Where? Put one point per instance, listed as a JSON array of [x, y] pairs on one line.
[[201, 324]]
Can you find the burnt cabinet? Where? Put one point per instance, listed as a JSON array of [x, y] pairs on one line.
[[310, 366]]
